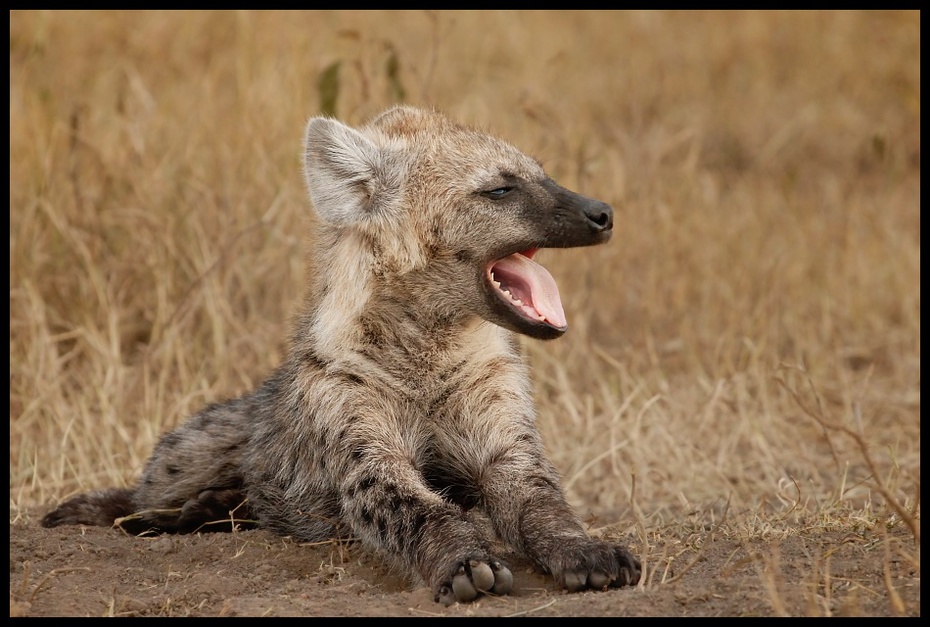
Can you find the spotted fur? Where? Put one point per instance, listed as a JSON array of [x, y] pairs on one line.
[[403, 401]]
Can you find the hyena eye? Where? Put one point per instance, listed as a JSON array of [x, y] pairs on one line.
[[498, 193]]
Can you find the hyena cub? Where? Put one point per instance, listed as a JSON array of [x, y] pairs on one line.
[[403, 401]]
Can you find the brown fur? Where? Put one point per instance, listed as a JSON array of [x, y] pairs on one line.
[[403, 401]]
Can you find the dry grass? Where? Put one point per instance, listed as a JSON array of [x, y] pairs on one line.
[[750, 337]]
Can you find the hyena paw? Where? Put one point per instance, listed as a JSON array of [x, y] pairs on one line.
[[596, 566], [474, 577]]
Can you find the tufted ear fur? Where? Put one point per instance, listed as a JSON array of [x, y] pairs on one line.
[[349, 176]]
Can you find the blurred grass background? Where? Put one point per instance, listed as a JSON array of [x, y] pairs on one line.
[[750, 336]]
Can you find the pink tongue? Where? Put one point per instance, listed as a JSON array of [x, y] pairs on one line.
[[543, 292]]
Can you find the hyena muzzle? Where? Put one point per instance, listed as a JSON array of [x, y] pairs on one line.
[[403, 401]]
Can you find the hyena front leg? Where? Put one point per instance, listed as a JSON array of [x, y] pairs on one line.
[[388, 504], [523, 496]]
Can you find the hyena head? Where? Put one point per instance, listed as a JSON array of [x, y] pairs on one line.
[[448, 217]]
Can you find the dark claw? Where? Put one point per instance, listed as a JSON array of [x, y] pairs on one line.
[[445, 596]]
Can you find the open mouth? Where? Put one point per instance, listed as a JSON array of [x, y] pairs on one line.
[[528, 289]]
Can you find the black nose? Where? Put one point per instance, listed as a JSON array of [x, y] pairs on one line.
[[600, 215]]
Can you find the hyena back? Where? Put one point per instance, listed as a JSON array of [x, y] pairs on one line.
[[403, 400]]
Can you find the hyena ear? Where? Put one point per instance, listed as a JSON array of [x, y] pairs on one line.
[[349, 177]]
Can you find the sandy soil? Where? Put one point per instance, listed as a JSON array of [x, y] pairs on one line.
[[78, 571]]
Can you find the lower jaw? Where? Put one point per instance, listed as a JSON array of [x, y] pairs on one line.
[[536, 329]]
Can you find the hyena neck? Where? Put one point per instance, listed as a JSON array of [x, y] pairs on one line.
[[365, 309]]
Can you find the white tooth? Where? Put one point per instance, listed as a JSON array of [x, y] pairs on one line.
[[517, 301], [532, 312], [496, 283]]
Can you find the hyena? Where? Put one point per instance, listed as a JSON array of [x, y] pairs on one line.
[[403, 401]]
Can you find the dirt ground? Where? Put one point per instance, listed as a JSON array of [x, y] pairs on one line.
[[78, 571]]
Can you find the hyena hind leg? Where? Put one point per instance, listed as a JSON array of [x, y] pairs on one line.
[[208, 511], [192, 482], [99, 508]]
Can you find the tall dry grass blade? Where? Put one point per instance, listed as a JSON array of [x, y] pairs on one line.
[[912, 521]]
